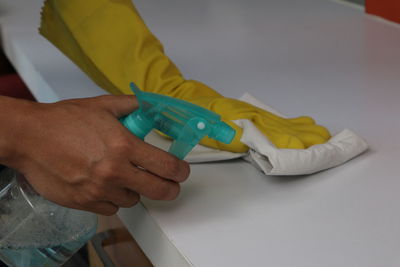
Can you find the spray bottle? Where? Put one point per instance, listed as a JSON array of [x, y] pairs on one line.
[[35, 232], [182, 121]]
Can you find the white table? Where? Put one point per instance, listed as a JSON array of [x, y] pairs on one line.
[[315, 57]]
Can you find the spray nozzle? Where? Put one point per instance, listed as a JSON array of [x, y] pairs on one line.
[[184, 122]]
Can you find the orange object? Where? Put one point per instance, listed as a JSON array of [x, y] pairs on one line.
[[388, 9]]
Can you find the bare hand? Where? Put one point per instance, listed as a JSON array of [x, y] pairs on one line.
[[77, 154]]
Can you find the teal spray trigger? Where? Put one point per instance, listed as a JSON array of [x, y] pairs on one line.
[[184, 122]]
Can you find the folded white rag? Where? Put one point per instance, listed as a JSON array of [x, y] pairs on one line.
[[272, 160]]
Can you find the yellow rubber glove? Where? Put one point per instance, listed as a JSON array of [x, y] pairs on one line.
[[110, 42]]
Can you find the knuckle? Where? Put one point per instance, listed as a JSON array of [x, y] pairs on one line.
[[100, 100], [121, 147], [106, 170], [96, 193]]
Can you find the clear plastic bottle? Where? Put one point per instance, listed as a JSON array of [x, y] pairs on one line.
[[35, 231]]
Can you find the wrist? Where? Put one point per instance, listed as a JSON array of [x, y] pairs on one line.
[[14, 115]]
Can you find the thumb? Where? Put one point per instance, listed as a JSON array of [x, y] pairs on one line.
[[120, 105]]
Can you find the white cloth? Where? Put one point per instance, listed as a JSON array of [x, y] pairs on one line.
[[274, 161], [199, 153]]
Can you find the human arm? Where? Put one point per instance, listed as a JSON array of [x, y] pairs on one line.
[[110, 42], [77, 154]]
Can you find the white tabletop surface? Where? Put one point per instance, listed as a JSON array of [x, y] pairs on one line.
[[312, 57]]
